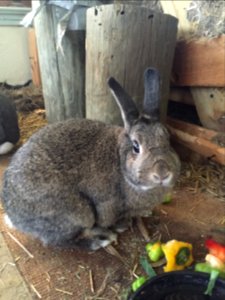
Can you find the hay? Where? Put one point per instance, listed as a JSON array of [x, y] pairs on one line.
[[208, 177], [29, 123], [219, 139]]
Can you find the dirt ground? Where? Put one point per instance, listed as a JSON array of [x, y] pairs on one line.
[[58, 274], [195, 213]]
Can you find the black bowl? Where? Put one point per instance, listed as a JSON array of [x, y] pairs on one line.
[[179, 285]]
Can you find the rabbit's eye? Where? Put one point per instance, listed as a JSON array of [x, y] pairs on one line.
[[136, 147]]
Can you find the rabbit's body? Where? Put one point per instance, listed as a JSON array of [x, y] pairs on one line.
[[9, 129], [76, 183]]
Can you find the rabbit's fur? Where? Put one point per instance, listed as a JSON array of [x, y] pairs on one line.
[[78, 182], [9, 128]]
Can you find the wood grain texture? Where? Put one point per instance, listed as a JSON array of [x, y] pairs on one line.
[[197, 139], [178, 9], [62, 72], [122, 41], [33, 55], [200, 63]]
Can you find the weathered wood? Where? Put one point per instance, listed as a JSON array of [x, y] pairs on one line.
[[122, 41], [200, 63], [62, 72], [192, 129], [178, 9], [197, 139], [152, 4], [33, 54]]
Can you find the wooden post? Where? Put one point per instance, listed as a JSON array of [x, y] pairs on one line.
[[197, 139], [62, 73], [122, 41], [36, 76]]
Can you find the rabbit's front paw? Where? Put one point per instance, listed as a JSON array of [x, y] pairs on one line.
[[122, 226], [99, 237]]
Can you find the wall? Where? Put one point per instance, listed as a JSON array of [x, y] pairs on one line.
[[14, 63], [24, 3], [14, 58]]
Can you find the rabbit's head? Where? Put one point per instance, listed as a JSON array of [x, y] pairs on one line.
[[147, 159]]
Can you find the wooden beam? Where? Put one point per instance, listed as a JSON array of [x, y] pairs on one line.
[[145, 33], [197, 139], [62, 69], [192, 129], [178, 9], [200, 63], [33, 55]]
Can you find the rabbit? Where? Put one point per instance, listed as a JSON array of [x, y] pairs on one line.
[[79, 182], [9, 128], [29, 104]]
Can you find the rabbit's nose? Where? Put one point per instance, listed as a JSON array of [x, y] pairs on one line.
[[161, 179], [161, 173]]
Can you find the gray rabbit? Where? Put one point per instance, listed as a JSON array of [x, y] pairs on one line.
[[9, 128], [77, 183]]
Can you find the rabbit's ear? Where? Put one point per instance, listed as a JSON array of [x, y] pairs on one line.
[[151, 106], [127, 106]]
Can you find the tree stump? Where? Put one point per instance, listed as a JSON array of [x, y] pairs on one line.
[[122, 41], [62, 72]]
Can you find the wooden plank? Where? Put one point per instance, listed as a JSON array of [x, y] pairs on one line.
[[199, 145], [33, 55], [200, 63], [192, 129], [197, 139], [122, 41], [178, 9], [62, 72]]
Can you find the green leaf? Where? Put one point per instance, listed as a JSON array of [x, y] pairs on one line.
[[212, 280], [147, 267]]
